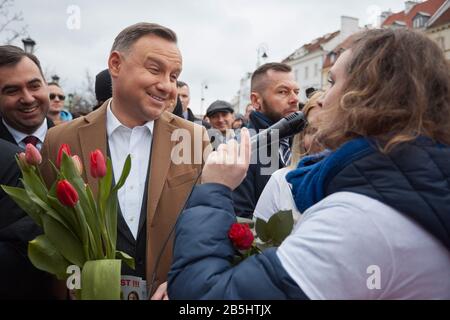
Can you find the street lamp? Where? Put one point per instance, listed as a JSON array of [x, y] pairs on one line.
[[28, 45], [204, 87], [55, 79], [262, 53]]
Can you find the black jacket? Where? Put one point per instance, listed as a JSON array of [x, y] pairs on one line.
[[6, 135], [246, 196], [18, 277]]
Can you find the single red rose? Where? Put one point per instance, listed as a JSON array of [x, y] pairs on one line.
[[98, 164], [66, 193], [64, 148], [241, 236]]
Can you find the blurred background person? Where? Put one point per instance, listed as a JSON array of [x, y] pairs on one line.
[[238, 122], [221, 117], [103, 87], [56, 110]]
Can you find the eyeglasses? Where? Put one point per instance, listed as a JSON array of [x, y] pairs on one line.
[[60, 96]]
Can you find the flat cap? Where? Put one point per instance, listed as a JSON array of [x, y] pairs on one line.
[[219, 106]]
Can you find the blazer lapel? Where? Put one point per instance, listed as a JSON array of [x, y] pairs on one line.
[[160, 162], [5, 134], [93, 136]]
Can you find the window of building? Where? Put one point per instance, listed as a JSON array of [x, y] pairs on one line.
[[296, 75], [420, 21], [306, 73], [316, 70], [441, 42], [333, 57]]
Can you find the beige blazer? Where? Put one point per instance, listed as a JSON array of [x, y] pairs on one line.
[[169, 183]]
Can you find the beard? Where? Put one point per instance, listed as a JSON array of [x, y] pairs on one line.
[[270, 112]]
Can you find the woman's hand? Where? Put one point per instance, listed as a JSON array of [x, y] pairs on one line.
[[229, 164]]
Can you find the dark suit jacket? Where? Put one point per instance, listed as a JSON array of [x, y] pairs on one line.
[[18, 277], [169, 184], [6, 135]]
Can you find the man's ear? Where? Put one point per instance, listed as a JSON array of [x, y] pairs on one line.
[[114, 64], [256, 101]]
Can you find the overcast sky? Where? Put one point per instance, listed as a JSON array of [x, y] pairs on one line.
[[218, 39]]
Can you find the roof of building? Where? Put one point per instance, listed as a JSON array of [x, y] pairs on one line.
[[337, 51], [427, 7], [315, 45], [442, 16]]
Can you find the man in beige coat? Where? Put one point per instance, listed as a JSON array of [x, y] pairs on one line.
[[144, 64]]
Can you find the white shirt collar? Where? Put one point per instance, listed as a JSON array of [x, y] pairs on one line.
[[112, 123], [19, 136]]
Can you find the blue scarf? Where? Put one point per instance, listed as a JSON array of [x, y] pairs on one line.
[[313, 173]]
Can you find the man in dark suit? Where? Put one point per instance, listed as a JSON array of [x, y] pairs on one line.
[[24, 98], [185, 97], [18, 277]]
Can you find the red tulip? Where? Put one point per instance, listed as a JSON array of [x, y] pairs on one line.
[[64, 148], [78, 165], [66, 193], [32, 155], [241, 236], [98, 164]]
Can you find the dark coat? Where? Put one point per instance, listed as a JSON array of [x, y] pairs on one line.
[[18, 277], [246, 196], [6, 135]]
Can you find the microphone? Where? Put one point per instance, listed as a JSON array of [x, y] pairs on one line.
[[285, 128]]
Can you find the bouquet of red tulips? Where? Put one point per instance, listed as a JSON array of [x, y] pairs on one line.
[[80, 230]]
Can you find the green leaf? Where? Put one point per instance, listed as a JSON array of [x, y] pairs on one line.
[[126, 258], [20, 196], [65, 213], [262, 230], [33, 182], [100, 280], [45, 257], [111, 219], [91, 199], [64, 241], [47, 208], [125, 172], [106, 182], [250, 222], [280, 226]]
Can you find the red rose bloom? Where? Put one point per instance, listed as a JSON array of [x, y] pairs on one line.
[[241, 236]]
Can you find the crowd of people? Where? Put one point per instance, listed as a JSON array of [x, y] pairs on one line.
[[367, 181]]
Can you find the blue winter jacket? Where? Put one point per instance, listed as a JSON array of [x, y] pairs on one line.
[[414, 179]]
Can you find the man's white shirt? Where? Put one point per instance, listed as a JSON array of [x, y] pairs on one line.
[[137, 142], [19, 136]]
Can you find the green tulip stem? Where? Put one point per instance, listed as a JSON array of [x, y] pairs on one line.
[[84, 232]]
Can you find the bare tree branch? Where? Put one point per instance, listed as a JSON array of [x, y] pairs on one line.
[[10, 25]]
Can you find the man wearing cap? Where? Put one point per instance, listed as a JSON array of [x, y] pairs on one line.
[[221, 117]]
